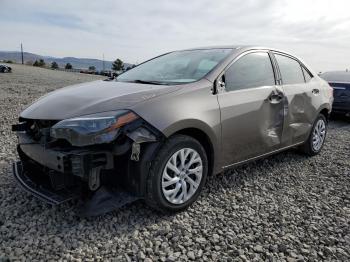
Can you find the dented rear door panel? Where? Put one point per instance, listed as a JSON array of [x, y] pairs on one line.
[[302, 104]]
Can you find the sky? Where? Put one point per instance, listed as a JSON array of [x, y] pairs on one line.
[[316, 31]]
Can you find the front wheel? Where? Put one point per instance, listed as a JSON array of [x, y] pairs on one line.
[[317, 137], [177, 174]]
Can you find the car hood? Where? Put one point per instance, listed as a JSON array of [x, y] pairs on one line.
[[93, 97]]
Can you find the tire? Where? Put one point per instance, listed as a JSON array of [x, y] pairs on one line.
[[160, 180], [309, 147]]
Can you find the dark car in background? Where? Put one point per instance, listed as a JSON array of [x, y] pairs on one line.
[[340, 81], [5, 69]]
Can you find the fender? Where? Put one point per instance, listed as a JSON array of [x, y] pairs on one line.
[[214, 138], [322, 107]]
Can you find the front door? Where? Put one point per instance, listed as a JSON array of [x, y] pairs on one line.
[[251, 107]]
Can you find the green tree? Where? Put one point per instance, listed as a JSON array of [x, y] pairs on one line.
[[92, 68], [36, 63], [68, 66], [41, 62], [54, 65], [118, 65]]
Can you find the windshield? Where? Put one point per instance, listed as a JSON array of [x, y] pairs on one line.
[[176, 67]]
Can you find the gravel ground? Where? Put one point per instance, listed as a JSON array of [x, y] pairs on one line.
[[284, 208]]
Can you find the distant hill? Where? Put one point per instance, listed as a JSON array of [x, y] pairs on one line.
[[81, 63]]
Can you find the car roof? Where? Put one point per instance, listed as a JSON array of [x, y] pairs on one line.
[[336, 76], [243, 48], [239, 49], [217, 47], [235, 47]]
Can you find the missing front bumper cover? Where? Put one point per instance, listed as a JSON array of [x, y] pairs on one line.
[[48, 195], [102, 201], [102, 176]]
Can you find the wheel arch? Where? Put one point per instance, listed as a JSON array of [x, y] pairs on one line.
[[325, 110], [209, 137], [204, 140]]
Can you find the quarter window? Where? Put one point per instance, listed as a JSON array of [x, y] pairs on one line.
[[251, 70], [290, 70]]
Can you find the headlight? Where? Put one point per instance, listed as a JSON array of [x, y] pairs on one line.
[[92, 129]]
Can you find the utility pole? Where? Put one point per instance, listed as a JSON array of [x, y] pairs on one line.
[[103, 62], [22, 53]]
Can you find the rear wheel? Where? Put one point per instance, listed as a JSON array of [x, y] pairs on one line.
[[317, 137], [177, 174]]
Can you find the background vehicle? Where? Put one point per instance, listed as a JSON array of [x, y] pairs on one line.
[[5, 69], [163, 126], [340, 81]]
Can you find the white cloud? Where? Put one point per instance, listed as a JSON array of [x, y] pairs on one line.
[[134, 30]]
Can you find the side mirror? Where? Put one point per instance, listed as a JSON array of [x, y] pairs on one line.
[[220, 84]]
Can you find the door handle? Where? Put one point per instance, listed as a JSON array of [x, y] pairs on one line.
[[315, 91]]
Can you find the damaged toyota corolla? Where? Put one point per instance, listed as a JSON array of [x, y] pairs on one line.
[[158, 130]]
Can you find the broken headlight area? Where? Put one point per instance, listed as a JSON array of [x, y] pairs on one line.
[[110, 155], [92, 129]]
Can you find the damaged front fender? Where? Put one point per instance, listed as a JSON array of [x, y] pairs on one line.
[[140, 135]]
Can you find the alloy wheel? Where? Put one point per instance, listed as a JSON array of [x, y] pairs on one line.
[[319, 134], [182, 176]]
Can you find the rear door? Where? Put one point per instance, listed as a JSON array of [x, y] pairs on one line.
[[251, 108], [303, 99]]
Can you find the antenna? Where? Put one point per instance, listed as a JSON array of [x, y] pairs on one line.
[[22, 53]]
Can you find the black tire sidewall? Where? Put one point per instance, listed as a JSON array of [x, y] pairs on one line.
[[173, 145]]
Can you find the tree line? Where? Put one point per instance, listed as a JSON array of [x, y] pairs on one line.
[[117, 65], [54, 65]]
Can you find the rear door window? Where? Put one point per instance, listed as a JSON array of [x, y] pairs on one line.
[[251, 70], [290, 69]]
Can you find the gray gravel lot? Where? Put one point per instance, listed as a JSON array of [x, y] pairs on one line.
[[284, 208]]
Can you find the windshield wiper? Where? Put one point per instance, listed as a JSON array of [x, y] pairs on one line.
[[148, 82]]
